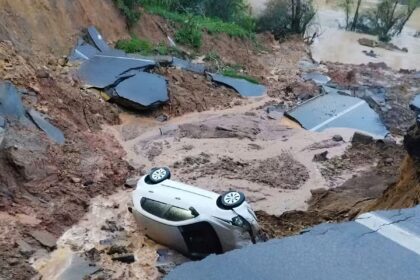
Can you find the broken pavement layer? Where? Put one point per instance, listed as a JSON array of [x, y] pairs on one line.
[[83, 51], [135, 91], [318, 78], [243, 87], [102, 71], [387, 243], [338, 110], [188, 65], [53, 133]]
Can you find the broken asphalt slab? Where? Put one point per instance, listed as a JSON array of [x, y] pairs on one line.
[[338, 110], [415, 104], [141, 91], [82, 51], [11, 107], [376, 246], [317, 77], [102, 71], [243, 87], [53, 132], [97, 39]]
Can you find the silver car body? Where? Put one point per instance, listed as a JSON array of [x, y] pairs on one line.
[[183, 196]]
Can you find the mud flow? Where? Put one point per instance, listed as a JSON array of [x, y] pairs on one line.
[[71, 153]]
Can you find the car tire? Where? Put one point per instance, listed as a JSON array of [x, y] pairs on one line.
[[232, 199], [158, 175]]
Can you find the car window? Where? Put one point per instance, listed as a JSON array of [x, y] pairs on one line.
[[154, 207], [178, 214]]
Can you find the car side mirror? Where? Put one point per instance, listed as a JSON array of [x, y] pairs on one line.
[[194, 212]]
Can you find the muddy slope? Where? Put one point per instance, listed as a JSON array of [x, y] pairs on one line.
[[43, 186], [53, 25]]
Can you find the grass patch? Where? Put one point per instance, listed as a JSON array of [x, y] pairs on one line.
[[231, 72], [211, 25], [144, 47]]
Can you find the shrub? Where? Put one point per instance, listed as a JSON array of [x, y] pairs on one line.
[[129, 8], [283, 17], [135, 45], [189, 34], [231, 72]]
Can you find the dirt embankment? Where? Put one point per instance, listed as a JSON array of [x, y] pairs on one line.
[[44, 186], [45, 26]]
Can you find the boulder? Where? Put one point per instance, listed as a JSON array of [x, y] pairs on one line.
[[45, 238], [362, 138]]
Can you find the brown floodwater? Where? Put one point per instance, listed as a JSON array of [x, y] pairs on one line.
[[338, 45]]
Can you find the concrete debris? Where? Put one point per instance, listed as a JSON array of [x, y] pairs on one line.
[[126, 258], [362, 138], [45, 238], [53, 132], [414, 105], [338, 110], [320, 157], [243, 87], [12, 110], [317, 77]]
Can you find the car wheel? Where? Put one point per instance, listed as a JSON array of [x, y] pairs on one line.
[[159, 175], [232, 199]]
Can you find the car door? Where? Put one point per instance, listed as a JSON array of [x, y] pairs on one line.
[[160, 222], [201, 239]]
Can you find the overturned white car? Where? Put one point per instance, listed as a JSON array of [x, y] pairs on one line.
[[191, 220]]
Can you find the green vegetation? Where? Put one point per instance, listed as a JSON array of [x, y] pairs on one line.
[[130, 9], [189, 34], [386, 20], [144, 47], [233, 73], [211, 25], [284, 17]]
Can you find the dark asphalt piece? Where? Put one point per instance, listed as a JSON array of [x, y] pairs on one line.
[[102, 71], [141, 91], [317, 77], [83, 51], [53, 132], [346, 251], [415, 104], [188, 65], [97, 39], [2, 122], [243, 87], [11, 107], [337, 110]]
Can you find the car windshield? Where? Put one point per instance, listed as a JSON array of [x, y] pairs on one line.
[[165, 211]]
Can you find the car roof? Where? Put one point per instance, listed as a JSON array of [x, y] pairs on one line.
[[178, 194]]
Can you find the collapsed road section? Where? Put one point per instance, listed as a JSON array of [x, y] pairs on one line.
[[379, 245], [127, 80], [337, 109]]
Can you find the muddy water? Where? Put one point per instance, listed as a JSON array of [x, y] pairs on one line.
[[67, 262], [337, 45]]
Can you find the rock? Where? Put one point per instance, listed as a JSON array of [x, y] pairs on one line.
[[362, 138], [320, 157], [13, 261], [337, 138], [126, 258], [117, 249], [368, 42], [42, 74], [132, 182], [45, 238], [389, 161], [111, 226], [75, 180], [162, 118], [93, 255], [168, 130], [24, 248], [412, 141], [62, 61], [275, 115]]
